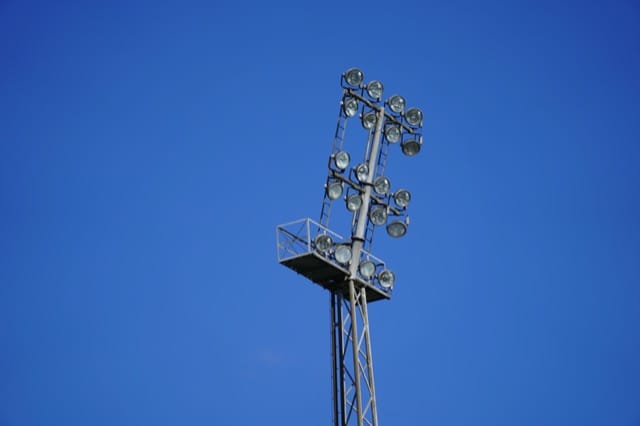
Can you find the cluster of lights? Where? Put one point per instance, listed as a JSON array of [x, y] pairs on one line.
[[379, 211], [341, 253], [401, 125], [403, 118]]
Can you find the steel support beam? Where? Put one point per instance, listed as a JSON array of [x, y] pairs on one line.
[[353, 381]]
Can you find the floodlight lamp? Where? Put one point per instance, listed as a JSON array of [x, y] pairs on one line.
[[375, 89], [381, 185], [402, 197], [369, 120], [396, 104], [350, 106], [343, 254], [354, 77], [367, 269], [354, 202], [334, 190], [386, 278], [411, 147], [362, 172], [323, 243], [414, 116], [392, 133], [378, 215], [341, 160], [396, 229]]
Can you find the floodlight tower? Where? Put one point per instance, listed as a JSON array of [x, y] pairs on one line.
[[345, 266]]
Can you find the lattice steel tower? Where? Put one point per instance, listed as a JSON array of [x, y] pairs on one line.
[[345, 266]]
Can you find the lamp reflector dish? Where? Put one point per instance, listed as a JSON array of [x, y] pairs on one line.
[[381, 185], [378, 215], [396, 229], [367, 269], [323, 243], [350, 106], [375, 89], [342, 160], [362, 172], [411, 147], [413, 116], [386, 278], [369, 120], [354, 202], [343, 254], [396, 104], [392, 133], [402, 197], [334, 190], [354, 77]]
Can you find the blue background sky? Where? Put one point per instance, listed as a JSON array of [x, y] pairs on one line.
[[149, 149]]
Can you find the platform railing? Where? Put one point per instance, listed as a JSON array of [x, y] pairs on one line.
[[296, 239]]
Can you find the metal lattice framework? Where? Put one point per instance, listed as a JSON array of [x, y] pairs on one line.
[[354, 399], [344, 266]]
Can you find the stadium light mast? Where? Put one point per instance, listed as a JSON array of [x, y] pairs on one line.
[[345, 266]]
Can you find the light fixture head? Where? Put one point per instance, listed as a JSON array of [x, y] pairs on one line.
[[323, 243], [378, 215], [411, 147], [334, 190], [402, 197], [414, 117], [396, 104], [367, 269], [393, 133], [354, 202], [369, 120], [343, 254], [381, 185], [375, 89], [354, 77], [362, 172], [397, 229], [341, 160], [386, 278], [350, 106]]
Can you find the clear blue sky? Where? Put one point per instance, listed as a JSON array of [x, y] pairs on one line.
[[149, 149]]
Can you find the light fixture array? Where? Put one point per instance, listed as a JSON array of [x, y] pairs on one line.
[[401, 126], [368, 270]]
